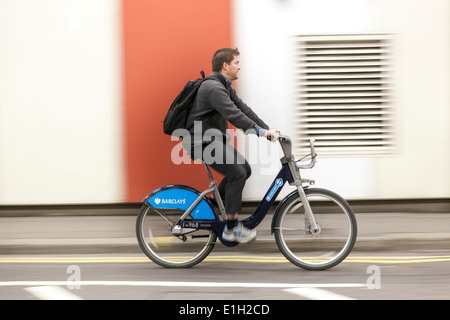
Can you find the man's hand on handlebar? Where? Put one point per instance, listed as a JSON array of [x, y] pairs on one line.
[[272, 134]]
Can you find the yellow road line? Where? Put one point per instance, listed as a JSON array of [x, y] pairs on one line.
[[224, 258]]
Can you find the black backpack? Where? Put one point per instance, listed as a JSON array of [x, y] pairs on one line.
[[178, 112]]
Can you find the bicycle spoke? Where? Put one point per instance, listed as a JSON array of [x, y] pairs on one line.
[[164, 217], [291, 229]]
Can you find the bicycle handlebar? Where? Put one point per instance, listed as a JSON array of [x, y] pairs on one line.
[[313, 155], [286, 146]]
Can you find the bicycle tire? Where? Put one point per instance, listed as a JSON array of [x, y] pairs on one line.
[[169, 257], [302, 247]]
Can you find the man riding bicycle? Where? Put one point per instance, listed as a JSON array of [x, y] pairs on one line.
[[215, 105]]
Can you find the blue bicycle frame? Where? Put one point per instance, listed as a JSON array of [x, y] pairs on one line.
[[203, 215], [255, 219]]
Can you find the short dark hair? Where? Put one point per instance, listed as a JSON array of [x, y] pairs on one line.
[[223, 55]]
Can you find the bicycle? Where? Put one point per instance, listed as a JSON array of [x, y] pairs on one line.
[[315, 229]]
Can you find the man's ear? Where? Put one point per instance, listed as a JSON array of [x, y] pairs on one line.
[[225, 66]]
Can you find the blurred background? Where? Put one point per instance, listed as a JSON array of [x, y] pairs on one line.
[[85, 85]]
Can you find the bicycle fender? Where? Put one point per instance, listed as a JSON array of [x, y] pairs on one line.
[[181, 197], [277, 210]]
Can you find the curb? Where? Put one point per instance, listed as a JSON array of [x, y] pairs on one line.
[[262, 245]]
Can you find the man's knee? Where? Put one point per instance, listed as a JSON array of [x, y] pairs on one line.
[[249, 170], [241, 173]]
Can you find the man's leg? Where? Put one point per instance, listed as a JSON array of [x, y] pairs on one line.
[[236, 170]]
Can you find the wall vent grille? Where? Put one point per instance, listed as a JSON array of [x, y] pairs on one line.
[[343, 94]]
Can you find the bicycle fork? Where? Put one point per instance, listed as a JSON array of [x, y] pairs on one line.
[[314, 228]]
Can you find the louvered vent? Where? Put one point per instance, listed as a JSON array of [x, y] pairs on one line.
[[343, 94]]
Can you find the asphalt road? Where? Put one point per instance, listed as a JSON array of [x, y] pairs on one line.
[[418, 274]]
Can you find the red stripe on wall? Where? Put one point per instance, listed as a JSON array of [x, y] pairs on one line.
[[166, 43]]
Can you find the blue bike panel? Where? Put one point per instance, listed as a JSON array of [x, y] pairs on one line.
[[278, 183], [180, 198]]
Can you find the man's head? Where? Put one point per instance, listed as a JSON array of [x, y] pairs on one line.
[[226, 61]]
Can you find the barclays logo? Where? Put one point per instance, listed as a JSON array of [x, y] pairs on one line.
[[169, 201]]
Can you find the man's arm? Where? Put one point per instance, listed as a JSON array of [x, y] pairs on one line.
[[234, 110], [246, 109], [220, 100]]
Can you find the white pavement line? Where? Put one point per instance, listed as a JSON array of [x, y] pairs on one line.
[[52, 293], [317, 294], [182, 284]]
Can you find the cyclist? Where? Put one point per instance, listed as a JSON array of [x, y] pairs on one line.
[[215, 105]]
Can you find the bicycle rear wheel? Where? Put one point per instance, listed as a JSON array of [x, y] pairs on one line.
[[321, 250], [154, 233]]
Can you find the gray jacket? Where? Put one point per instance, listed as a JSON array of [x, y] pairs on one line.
[[217, 103]]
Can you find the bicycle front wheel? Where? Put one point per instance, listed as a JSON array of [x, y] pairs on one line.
[[155, 237], [319, 250]]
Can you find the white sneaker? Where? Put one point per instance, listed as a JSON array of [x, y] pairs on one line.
[[239, 233]]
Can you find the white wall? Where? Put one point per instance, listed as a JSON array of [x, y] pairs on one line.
[[61, 96], [422, 166], [60, 101], [263, 34]]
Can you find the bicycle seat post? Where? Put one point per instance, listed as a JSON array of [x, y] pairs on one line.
[[212, 184], [208, 171]]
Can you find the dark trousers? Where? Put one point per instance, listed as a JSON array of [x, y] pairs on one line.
[[225, 159]]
